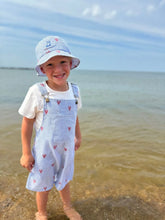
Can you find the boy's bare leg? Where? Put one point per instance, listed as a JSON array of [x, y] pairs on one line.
[[42, 199], [70, 212], [65, 196]]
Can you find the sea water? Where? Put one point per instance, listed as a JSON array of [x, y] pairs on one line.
[[119, 168]]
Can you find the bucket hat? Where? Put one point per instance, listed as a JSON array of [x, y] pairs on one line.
[[52, 46]]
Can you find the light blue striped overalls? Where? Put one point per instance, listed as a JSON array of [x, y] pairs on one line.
[[53, 149]]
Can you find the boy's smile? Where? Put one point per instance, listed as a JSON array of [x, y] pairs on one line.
[[59, 76], [57, 69]]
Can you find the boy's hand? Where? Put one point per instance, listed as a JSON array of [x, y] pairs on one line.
[[27, 161], [77, 143]]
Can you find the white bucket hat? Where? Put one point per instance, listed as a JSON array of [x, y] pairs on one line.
[[52, 46]]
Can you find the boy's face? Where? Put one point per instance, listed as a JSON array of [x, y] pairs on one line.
[[57, 69]]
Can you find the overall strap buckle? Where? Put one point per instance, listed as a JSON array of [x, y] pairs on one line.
[[75, 92]]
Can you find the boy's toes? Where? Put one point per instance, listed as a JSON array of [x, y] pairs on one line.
[[72, 214], [40, 216]]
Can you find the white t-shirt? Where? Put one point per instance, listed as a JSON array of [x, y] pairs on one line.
[[32, 106]]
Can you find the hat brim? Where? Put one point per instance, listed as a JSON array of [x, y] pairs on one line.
[[45, 58]]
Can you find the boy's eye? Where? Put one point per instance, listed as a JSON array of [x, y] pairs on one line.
[[63, 61], [49, 64]]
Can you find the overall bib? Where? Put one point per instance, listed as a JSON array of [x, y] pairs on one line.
[[53, 149]]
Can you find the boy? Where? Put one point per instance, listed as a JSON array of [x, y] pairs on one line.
[[52, 105]]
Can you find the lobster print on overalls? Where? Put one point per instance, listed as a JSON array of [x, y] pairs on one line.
[[53, 149]]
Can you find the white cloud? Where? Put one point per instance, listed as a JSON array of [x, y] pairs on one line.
[[110, 15], [150, 8], [94, 11], [86, 12]]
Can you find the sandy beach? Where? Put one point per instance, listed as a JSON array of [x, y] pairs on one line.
[[18, 203]]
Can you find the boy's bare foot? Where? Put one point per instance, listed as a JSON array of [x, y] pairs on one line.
[[71, 213], [40, 216]]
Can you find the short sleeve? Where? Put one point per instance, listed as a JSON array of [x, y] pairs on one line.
[[30, 105]]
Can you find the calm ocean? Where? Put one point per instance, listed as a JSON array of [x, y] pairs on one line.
[[120, 167]]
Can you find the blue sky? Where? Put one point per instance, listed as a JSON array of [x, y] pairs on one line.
[[104, 34]]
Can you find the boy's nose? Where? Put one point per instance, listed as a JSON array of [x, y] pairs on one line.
[[57, 68]]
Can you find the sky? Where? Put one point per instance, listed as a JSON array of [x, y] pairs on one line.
[[124, 35]]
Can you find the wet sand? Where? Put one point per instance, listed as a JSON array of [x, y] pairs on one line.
[[20, 204], [93, 201]]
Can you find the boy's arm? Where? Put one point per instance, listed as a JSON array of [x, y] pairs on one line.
[[77, 135], [27, 160]]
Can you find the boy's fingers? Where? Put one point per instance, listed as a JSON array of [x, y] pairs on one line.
[[29, 168]]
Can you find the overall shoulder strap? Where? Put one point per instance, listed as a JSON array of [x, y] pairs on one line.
[[75, 90], [43, 90]]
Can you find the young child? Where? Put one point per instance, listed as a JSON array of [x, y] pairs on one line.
[[52, 107]]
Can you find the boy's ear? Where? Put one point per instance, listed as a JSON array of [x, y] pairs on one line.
[[42, 69], [70, 63]]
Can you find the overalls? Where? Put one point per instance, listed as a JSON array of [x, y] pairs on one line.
[[53, 149]]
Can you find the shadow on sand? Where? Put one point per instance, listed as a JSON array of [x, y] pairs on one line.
[[123, 208], [22, 207]]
